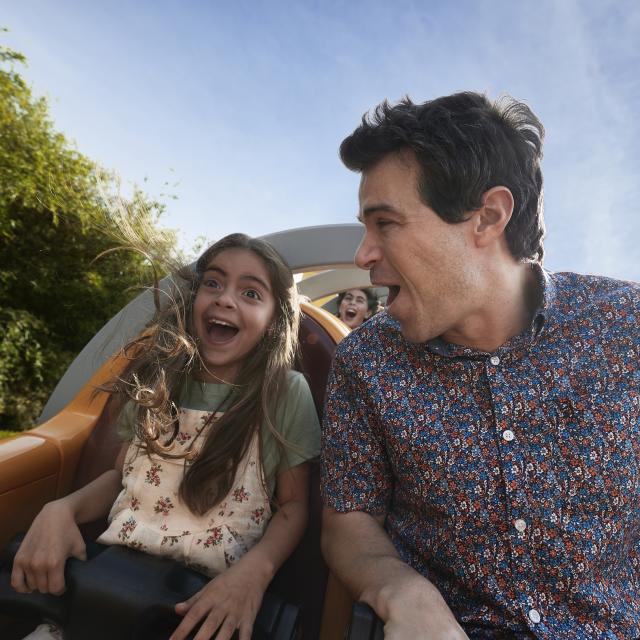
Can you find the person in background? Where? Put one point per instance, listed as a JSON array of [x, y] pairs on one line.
[[481, 445], [356, 305]]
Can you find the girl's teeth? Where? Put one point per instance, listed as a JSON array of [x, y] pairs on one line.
[[221, 323]]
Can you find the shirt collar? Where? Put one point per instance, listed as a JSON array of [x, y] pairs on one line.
[[547, 311]]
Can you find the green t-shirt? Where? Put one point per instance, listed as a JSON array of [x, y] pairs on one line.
[[296, 420]]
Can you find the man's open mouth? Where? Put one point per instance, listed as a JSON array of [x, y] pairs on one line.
[[394, 290], [221, 331]]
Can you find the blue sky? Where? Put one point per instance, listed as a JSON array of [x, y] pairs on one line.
[[240, 106]]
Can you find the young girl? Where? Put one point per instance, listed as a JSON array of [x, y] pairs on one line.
[[219, 425]]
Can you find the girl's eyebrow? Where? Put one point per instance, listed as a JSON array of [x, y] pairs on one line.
[[244, 276], [252, 278], [214, 270]]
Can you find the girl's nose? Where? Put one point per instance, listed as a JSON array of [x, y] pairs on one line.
[[367, 254], [225, 299]]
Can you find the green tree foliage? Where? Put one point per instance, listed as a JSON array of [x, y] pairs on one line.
[[58, 281]]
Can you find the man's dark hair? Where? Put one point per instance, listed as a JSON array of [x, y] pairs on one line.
[[464, 145]]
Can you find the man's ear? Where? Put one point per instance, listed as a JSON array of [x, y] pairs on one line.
[[491, 219]]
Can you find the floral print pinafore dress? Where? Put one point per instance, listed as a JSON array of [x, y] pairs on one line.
[[148, 514]]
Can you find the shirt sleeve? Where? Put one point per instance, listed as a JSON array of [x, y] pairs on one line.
[[355, 473], [297, 422], [125, 422]]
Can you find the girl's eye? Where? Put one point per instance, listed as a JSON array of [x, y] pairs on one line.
[[210, 283], [253, 294]]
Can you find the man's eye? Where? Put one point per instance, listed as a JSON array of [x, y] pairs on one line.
[[381, 223]]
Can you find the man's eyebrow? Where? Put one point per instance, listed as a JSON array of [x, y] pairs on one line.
[[375, 208]]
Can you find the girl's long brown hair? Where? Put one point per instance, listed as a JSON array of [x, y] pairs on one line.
[[167, 352]]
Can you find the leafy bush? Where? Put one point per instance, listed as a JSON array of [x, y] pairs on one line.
[[57, 216], [29, 366]]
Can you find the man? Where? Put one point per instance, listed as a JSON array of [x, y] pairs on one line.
[[481, 450]]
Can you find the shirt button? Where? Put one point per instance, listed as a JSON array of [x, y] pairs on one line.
[[494, 360], [520, 525], [534, 616], [508, 435]]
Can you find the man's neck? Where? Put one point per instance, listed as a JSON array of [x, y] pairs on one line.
[[508, 302]]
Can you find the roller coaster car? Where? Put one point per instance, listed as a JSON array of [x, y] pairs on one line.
[[75, 442]]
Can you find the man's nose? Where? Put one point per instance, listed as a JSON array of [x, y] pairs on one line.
[[368, 253]]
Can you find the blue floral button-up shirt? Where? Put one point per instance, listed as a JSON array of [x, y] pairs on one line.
[[511, 480]]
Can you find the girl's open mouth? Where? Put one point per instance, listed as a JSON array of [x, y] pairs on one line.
[[350, 313], [220, 331]]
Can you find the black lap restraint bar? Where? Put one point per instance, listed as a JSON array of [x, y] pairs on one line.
[[122, 593]]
